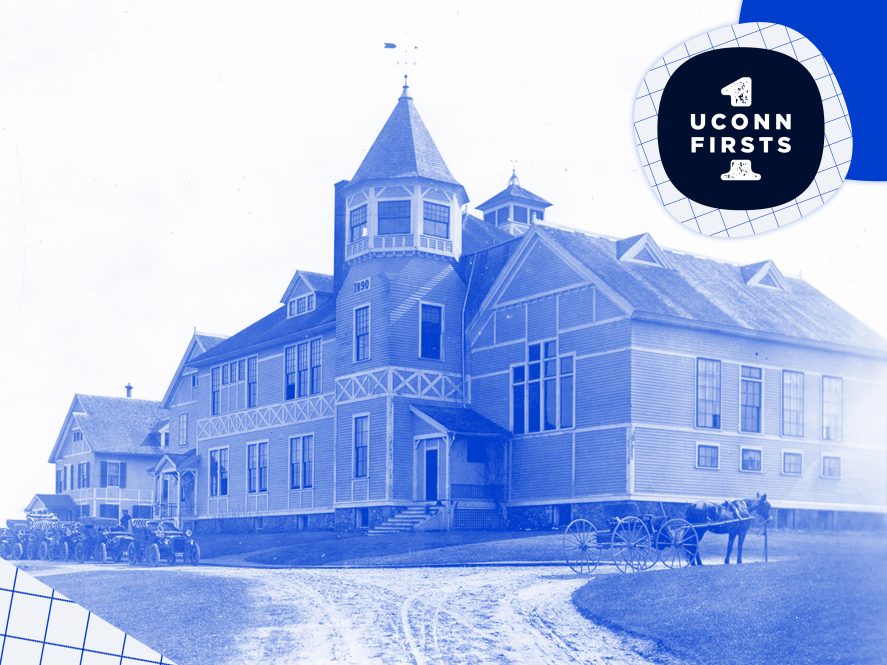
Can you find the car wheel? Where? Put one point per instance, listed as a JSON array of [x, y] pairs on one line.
[[32, 551], [194, 554], [44, 552], [80, 552], [18, 551], [66, 552], [153, 555], [102, 553], [132, 554]]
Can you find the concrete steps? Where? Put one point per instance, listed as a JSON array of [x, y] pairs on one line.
[[406, 520]]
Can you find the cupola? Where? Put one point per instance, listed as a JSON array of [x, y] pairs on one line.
[[514, 209]]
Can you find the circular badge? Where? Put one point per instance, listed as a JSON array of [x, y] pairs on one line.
[[742, 130]]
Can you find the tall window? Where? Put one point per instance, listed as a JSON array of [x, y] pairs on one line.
[[431, 331], [362, 333], [59, 480], [76, 436], [708, 393], [82, 475], [394, 217], [289, 391], [707, 456], [252, 385], [302, 462], [183, 429], [252, 466], [302, 380], [361, 445], [436, 220], [542, 393], [750, 459], [216, 392], [832, 408], [358, 223], [113, 473], [263, 467], [792, 403], [750, 396], [218, 472]]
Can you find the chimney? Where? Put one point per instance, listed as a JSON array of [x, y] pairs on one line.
[[128, 387]]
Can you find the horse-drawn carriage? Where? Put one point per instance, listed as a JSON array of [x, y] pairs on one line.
[[640, 541]]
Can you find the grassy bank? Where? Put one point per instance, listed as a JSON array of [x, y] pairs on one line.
[[823, 601]]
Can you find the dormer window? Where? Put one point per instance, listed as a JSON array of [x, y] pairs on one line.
[[301, 305], [764, 274], [358, 223], [502, 215], [436, 220], [641, 249], [394, 218]]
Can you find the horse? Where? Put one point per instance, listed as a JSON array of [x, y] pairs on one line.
[[731, 517]]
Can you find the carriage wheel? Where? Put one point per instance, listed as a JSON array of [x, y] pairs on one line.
[[677, 542], [631, 545], [581, 549]]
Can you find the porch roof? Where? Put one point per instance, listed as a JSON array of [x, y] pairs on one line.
[[177, 461], [458, 420], [56, 504]]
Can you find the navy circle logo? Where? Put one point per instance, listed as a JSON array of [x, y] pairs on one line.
[[741, 128]]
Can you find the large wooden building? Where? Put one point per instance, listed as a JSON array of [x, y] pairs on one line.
[[457, 371]]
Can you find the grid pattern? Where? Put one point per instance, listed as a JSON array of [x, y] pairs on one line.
[[42, 627], [838, 142]]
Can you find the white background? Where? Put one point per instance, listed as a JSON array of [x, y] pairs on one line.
[[167, 165]]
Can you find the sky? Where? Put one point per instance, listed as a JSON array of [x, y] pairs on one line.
[[169, 165]]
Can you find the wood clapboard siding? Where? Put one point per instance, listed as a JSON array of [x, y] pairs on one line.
[[541, 466], [511, 323], [600, 462], [665, 462], [576, 307], [663, 389], [376, 483], [542, 319], [497, 359], [542, 271], [603, 389], [490, 397]]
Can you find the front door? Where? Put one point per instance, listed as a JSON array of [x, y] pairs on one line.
[[431, 475]]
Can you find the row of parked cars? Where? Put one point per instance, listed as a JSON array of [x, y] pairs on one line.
[[100, 539]]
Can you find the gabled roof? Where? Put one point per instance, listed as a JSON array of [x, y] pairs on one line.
[[57, 504], [478, 235], [764, 273], [458, 420], [641, 248], [715, 294], [514, 193], [404, 149], [178, 461], [315, 281], [200, 343], [481, 269], [275, 328], [114, 425]]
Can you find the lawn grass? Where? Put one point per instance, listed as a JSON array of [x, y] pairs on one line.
[[211, 625], [824, 600]]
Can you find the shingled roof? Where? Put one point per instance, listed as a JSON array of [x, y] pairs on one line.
[[275, 327], [714, 293], [459, 420], [514, 192], [115, 424], [404, 149]]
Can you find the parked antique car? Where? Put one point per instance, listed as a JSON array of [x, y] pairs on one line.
[[60, 542], [14, 539], [155, 541], [92, 539]]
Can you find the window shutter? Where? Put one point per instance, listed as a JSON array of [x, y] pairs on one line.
[[87, 475], [123, 475], [103, 475]]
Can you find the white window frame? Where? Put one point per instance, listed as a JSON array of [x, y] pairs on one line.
[[108, 474], [741, 450], [354, 418], [739, 401], [442, 323], [782, 470], [840, 459], [209, 483], [183, 431], [76, 436], [822, 380], [299, 438], [369, 309], [696, 457], [258, 489], [696, 424]]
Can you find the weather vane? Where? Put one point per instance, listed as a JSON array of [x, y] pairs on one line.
[[408, 59]]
